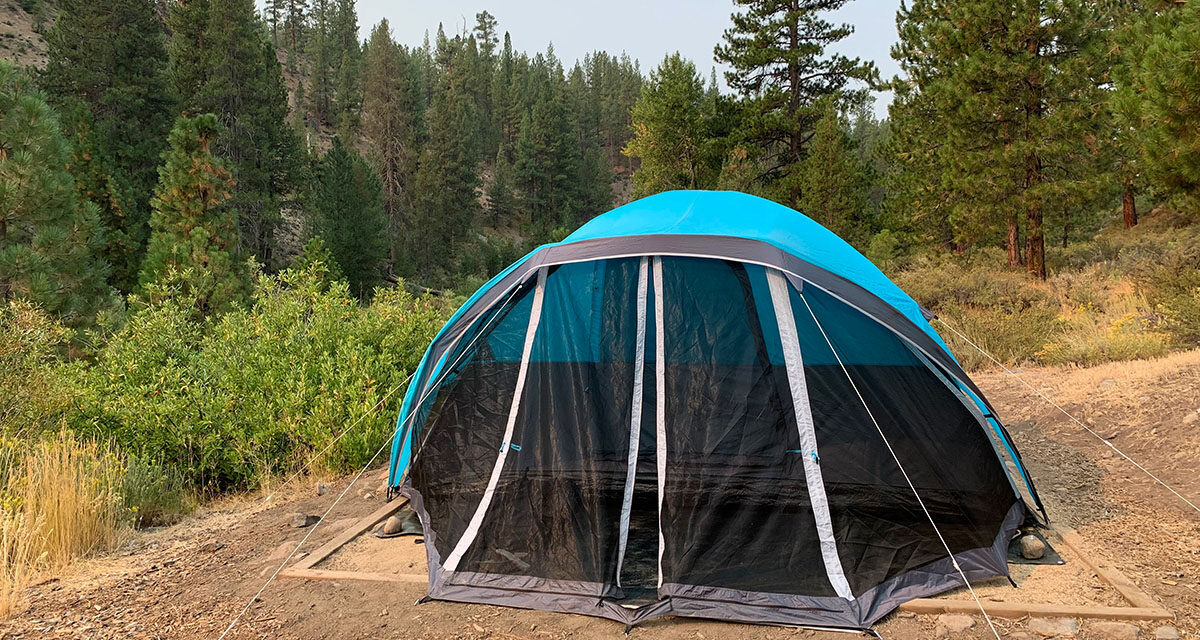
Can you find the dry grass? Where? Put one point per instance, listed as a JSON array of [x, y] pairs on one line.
[[60, 499]]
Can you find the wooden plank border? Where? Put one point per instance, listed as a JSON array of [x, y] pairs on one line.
[[1144, 606], [341, 539]]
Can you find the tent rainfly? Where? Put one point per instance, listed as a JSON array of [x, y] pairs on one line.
[[703, 404]]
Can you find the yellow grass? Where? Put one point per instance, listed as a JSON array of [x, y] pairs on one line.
[[59, 500]]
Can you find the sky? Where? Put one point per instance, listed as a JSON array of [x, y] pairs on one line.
[[645, 29]]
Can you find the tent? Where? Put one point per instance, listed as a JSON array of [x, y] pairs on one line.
[[703, 404]]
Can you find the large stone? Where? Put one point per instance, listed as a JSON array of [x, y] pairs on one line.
[[1032, 548], [393, 526], [951, 625], [1109, 630], [1166, 632], [300, 520], [1050, 627]]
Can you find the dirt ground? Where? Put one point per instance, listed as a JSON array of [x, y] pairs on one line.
[[190, 580]]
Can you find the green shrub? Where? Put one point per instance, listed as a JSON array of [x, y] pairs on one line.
[[258, 390], [32, 343], [154, 493], [1003, 312]]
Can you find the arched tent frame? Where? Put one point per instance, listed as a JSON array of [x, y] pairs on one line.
[[827, 265]]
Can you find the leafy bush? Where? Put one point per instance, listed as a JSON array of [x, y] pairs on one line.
[[31, 343], [258, 390]]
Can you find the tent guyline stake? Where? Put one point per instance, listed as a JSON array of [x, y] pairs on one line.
[[424, 396], [1073, 418], [953, 560]]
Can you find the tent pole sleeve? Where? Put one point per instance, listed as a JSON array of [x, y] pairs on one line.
[[794, 361], [635, 413], [660, 399], [468, 537]]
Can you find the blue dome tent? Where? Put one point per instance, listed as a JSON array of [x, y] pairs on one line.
[[703, 404]]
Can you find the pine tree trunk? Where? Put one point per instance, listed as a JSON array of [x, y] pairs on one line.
[[3, 242], [1128, 206], [1014, 249], [1035, 240]]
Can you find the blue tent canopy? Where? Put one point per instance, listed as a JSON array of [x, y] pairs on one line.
[[709, 321]]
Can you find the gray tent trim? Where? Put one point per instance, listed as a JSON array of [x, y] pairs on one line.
[[699, 601]]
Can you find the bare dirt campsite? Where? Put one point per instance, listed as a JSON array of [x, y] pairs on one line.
[[189, 580]]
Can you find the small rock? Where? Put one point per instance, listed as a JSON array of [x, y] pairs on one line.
[[953, 625], [1108, 630], [1032, 548], [1050, 627], [369, 496], [323, 488], [281, 552], [343, 524], [392, 526], [1107, 383], [1021, 635], [211, 546], [300, 520], [1191, 417], [1166, 632]]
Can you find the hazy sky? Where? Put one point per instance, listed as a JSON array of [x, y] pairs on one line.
[[646, 29]]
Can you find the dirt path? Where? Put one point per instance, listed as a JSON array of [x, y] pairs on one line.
[[188, 581]]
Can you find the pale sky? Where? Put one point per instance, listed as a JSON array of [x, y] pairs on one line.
[[645, 29]]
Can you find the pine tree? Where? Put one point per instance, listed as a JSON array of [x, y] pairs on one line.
[[50, 238], [321, 57], [834, 181], [668, 125], [348, 215], [1169, 79], [111, 59], [294, 12], [347, 49], [222, 64], [1034, 72], [502, 204], [547, 155], [193, 229], [781, 68], [447, 180], [1125, 103], [392, 109]]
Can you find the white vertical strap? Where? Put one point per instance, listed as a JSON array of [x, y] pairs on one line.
[[660, 399], [896, 458], [635, 413], [794, 361], [468, 537]]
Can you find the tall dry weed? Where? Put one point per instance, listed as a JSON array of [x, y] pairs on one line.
[[60, 499]]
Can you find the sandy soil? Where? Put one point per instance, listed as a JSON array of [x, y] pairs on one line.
[[188, 581]]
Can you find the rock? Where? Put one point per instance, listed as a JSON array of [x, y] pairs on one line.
[[1032, 548], [281, 551], [1166, 632], [300, 520], [1191, 417], [392, 526], [1108, 630], [323, 488], [211, 546], [369, 496], [1021, 635], [343, 524], [1050, 627], [1107, 383], [951, 625]]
